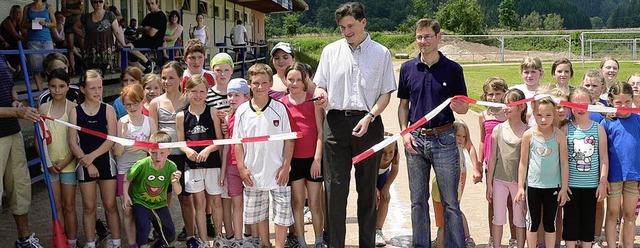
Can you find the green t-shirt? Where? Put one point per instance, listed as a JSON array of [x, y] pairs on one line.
[[148, 185]]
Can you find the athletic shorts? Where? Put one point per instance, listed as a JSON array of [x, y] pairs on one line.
[[256, 206], [538, 199], [382, 179], [234, 181], [616, 189], [201, 179], [301, 168]]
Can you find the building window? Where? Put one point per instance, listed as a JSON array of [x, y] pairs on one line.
[[245, 18], [186, 5], [203, 8], [226, 14], [216, 11], [236, 15]]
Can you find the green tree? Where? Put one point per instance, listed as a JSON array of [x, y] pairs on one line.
[[596, 22], [553, 21], [461, 17], [532, 21], [291, 22], [508, 15], [271, 23]]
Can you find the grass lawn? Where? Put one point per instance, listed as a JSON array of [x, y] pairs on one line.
[[475, 75]]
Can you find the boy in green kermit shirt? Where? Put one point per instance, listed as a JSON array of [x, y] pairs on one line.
[[149, 179]]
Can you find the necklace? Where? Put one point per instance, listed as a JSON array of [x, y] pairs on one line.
[[91, 111], [495, 112]]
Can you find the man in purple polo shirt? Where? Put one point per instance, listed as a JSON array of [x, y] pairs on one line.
[[425, 82]]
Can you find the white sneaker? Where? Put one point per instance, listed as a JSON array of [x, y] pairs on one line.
[[307, 216], [111, 245], [31, 242], [380, 241], [513, 243], [490, 243], [597, 242]]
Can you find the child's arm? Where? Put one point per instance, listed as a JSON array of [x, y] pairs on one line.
[[563, 196], [283, 173], [245, 174], [121, 130], [50, 164], [153, 115], [481, 145], [204, 154], [316, 167], [190, 153], [126, 202], [477, 165], [107, 144], [492, 165], [175, 182], [524, 165], [385, 196], [603, 154]]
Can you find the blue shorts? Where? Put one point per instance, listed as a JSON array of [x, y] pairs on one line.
[[64, 177], [382, 179]]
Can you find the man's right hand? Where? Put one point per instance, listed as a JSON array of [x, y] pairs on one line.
[[409, 143]]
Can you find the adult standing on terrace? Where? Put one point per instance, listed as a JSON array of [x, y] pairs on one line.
[[355, 76], [153, 28], [425, 82]]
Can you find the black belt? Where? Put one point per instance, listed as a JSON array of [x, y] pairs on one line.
[[350, 112], [435, 130]]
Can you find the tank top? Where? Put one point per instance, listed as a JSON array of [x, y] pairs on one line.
[[488, 126], [59, 147], [507, 157], [90, 143], [200, 127], [139, 133], [169, 33], [544, 163], [584, 160], [200, 34], [69, 21], [44, 33], [167, 124]]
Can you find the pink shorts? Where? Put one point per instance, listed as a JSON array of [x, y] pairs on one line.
[[234, 181], [501, 191], [120, 184]]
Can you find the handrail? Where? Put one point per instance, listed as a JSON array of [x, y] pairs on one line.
[[29, 51]]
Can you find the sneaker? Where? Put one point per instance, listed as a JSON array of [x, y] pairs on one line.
[[148, 67], [193, 242], [540, 245], [111, 245], [470, 243], [31, 242], [211, 231], [183, 235], [237, 244], [513, 243], [220, 242], [102, 230], [434, 243], [307, 216], [490, 243], [380, 241], [291, 241], [597, 242]]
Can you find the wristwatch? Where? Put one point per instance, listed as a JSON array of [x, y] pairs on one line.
[[373, 117]]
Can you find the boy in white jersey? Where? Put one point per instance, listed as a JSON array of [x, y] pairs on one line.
[[264, 166]]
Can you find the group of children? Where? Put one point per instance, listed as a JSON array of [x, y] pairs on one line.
[[552, 166], [217, 185]]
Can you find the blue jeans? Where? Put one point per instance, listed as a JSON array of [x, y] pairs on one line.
[[441, 152]]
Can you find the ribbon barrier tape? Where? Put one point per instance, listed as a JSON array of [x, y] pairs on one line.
[[149, 145], [586, 107]]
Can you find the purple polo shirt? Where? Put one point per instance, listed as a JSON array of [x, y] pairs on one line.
[[427, 87]]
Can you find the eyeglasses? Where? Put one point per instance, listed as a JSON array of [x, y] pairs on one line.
[[95, 2], [425, 37]]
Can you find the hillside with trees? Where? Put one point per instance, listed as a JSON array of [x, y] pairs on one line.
[[465, 16]]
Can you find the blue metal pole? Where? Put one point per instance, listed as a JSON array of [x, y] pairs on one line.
[[43, 159]]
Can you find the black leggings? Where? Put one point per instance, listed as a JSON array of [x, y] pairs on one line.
[[537, 200]]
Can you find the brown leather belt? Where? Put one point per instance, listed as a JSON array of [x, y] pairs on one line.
[[435, 130]]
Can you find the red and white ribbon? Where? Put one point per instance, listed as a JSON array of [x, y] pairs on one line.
[[149, 145], [389, 140]]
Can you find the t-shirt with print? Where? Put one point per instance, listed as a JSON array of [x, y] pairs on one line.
[[148, 185]]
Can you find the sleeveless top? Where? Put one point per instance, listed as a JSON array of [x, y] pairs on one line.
[[167, 124], [200, 34], [544, 163], [168, 33], [584, 160], [69, 21], [139, 133], [507, 157], [12, 41], [488, 130], [201, 127], [59, 147], [44, 33], [88, 142]]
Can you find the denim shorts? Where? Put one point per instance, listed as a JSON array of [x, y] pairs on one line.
[[64, 178]]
